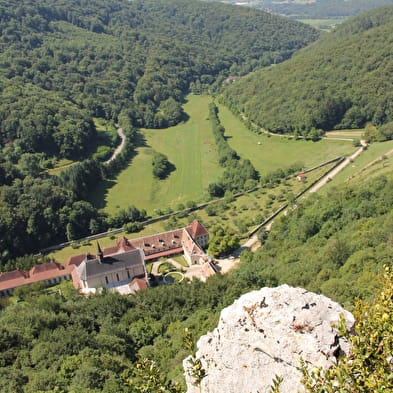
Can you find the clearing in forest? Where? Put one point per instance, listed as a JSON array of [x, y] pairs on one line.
[[189, 146], [270, 152]]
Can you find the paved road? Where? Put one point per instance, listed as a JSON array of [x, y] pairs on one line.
[[120, 147]]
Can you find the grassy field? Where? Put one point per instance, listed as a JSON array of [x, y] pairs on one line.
[[359, 170], [240, 215], [323, 24], [189, 147], [278, 151], [347, 134], [60, 166]]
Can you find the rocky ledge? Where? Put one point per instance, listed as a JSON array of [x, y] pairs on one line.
[[265, 333]]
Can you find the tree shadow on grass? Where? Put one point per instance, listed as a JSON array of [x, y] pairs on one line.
[[169, 169], [97, 196]]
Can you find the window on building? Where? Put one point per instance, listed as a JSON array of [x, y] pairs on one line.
[[106, 280], [117, 277]]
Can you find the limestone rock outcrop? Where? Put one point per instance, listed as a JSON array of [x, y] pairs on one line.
[[265, 333]]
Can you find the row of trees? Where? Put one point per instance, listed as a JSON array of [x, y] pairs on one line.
[[239, 174]]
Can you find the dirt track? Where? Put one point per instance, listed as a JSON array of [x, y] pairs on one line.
[[120, 147], [338, 169]]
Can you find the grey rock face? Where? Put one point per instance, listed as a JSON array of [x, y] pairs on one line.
[[265, 333]]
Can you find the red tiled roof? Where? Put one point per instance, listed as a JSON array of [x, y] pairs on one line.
[[160, 242], [189, 244], [138, 283], [208, 270], [75, 260], [163, 253], [15, 274], [44, 267], [37, 273], [122, 245], [196, 229]]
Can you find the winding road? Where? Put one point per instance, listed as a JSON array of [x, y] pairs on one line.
[[120, 147]]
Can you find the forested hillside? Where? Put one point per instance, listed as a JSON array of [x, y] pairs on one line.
[[64, 62], [336, 245], [344, 80]]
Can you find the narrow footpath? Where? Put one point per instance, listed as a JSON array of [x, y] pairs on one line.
[[120, 147]]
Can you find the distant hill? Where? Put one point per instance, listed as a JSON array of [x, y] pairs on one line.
[[314, 9], [343, 80], [139, 56], [322, 8]]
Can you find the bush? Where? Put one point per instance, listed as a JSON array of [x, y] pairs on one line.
[[161, 166], [368, 369]]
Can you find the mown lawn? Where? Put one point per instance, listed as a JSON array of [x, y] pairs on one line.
[[278, 151], [189, 147]]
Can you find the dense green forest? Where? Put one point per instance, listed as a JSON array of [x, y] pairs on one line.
[[344, 80], [335, 244], [64, 62]]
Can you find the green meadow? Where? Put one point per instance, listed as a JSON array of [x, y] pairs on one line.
[[323, 24], [189, 146], [269, 152]]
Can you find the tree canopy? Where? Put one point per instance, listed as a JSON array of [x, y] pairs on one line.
[[64, 62], [53, 342], [341, 81]]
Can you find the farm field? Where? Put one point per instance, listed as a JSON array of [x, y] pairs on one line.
[[189, 147], [356, 171], [275, 152]]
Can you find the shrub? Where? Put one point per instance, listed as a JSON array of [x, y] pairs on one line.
[[369, 367]]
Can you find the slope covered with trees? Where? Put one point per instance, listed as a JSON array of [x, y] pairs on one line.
[[64, 62], [139, 56], [344, 80], [336, 245]]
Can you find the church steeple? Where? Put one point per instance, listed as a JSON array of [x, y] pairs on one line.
[[100, 254]]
